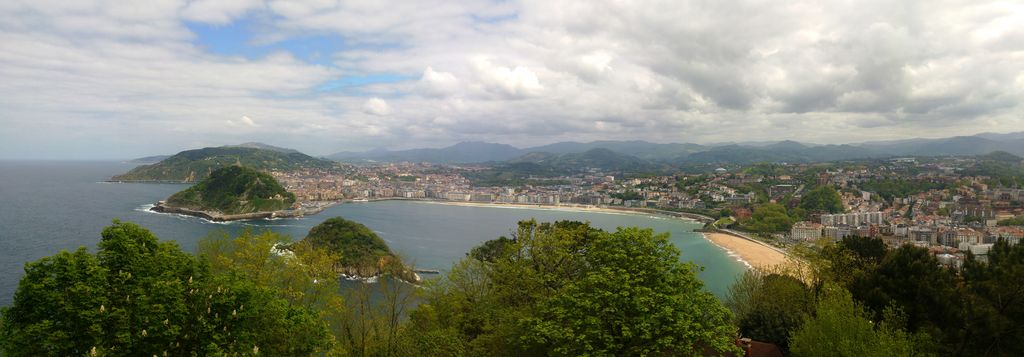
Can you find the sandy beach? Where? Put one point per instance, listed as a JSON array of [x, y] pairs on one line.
[[563, 207], [753, 254]]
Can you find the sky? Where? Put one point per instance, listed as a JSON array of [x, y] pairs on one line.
[[95, 79]]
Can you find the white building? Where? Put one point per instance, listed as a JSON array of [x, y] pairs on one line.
[[853, 219], [807, 231]]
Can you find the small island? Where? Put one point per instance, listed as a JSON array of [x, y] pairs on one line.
[[361, 253], [234, 193]]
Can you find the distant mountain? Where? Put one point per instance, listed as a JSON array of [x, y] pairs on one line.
[[474, 152], [194, 165], [262, 146], [464, 152], [599, 158], [1001, 157], [783, 151], [1002, 136], [687, 153], [234, 190], [148, 159], [641, 149]]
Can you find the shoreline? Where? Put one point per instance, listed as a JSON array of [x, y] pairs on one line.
[[162, 207], [754, 255], [572, 207]]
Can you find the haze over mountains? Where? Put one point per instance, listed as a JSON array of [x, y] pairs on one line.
[[546, 160], [688, 153]]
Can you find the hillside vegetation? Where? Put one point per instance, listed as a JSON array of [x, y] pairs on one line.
[[194, 165], [234, 190], [360, 252]]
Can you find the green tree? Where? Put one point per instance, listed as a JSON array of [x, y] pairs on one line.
[[769, 306], [841, 327], [822, 199], [139, 296], [569, 289], [913, 280], [769, 217], [996, 302]]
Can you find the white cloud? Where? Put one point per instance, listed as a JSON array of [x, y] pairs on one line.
[[243, 121], [376, 106], [524, 72], [437, 83], [517, 82], [218, 12]]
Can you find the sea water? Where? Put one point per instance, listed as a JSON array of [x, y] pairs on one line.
[[49, 206]]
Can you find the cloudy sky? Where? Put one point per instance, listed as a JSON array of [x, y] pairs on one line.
[[118, 79]]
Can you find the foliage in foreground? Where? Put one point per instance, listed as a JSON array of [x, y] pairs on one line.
[[137, 296], [569, 289], [873, 301], [364, 319]]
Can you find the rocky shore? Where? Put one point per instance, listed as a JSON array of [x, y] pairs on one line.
[[162, 207]]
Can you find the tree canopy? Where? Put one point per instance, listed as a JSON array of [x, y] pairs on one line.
[[139, 296], [565, 288], [769, 217], [822, 199], [352, 242]]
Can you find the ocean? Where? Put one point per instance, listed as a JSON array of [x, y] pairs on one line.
[[49, 206]]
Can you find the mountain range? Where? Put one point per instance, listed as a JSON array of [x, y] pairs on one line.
[[696, 154]]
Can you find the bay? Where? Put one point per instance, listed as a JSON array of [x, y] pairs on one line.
[[49, 206]]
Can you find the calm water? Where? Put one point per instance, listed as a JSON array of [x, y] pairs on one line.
[[49, 206]]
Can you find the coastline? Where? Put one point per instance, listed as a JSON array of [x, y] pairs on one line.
[[752, 254], [162, 207], [561, 207]]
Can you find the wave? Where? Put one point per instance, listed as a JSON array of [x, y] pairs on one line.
[[731, 254]]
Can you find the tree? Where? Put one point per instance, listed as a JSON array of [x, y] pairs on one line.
[[996, 302], [769, 217], [822, 199], [867, 250], [568, 289], [139, 296], [912, 280], [841, 327], [769, 306]]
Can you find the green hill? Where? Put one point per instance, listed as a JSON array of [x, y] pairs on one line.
[[234, 190], [194, 165], [361, 253]]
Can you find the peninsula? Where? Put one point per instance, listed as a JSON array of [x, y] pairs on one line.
[[234, 193]]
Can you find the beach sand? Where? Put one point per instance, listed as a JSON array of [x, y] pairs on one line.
[[753, 254], [563, 207]]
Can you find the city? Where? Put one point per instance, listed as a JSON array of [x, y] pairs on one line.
[[945, 204]]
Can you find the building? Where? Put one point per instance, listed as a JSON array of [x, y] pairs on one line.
[[1012, 235], [781, 190], [853, 219], [837, 232], [806, 231]]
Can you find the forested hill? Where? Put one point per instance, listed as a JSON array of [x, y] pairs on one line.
[[360, 252], [194, 165], [234, 190]]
